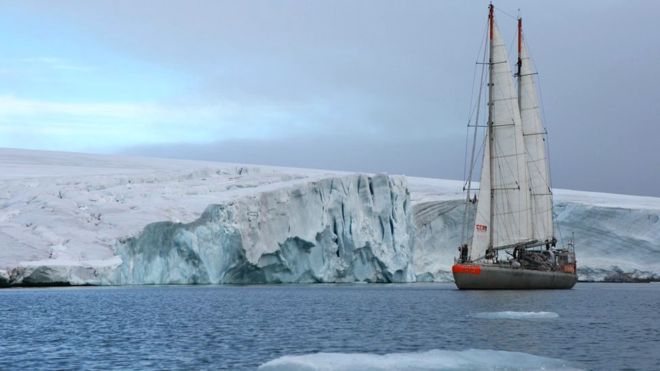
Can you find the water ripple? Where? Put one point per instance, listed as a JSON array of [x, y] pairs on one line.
[[516, 315]]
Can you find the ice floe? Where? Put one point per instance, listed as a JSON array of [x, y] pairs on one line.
[[471, 359]]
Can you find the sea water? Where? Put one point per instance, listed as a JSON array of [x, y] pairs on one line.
[[368, 326]]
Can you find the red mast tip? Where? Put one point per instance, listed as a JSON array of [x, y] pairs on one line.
[[519, 46], [490, 19]]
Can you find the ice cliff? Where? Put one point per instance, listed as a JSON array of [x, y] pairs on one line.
[[340, 229], [104, 220]]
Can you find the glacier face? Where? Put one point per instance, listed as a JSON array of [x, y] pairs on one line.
[[438, 227], [612, 241], [338, 229]]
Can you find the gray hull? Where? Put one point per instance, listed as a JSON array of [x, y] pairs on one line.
[[491, 277]]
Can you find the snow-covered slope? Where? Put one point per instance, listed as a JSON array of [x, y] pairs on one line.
[[87, 219], [90, 219]]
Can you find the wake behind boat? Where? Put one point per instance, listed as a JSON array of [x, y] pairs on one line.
[[513, 243]]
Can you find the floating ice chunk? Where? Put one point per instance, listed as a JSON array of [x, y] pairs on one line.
[[516, 315], [471, 359]]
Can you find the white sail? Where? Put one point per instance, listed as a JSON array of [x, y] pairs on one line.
[[537, 162], [481, 234], [504, 161]]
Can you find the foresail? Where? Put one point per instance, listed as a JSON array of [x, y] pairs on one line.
[[511, 212], [481, 233], [537, 162]]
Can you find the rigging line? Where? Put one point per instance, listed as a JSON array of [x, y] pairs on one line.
[[506, 199], [479, 155], [552, 197], [514, 174], [480, 152], [544, 123], [467, 136], [561, 237], [482, 47], [547, 144], [536, 167], [471, 109], [506, 14], [474, 139], [507, 196], [534, 163], [474, 143], [513, 44], [533, 166]]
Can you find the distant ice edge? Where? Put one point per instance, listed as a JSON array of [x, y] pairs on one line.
[[352, 228]]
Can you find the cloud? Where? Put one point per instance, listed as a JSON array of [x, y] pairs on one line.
[[57, 63], [11, 107], [369, 73], [84, 125]]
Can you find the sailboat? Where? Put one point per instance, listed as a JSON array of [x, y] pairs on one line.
[[513, 243]]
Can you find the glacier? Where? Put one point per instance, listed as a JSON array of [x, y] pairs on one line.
[[77, 219], [341, 229]]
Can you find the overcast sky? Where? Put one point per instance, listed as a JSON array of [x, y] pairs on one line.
[[380, 86]]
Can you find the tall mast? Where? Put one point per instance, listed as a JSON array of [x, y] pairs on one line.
[[491, 23], [503, 215], [519, 64]]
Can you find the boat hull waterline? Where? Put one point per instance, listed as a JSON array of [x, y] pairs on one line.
[[493, 277]]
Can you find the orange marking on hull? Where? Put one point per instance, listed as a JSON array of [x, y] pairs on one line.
[[468, 269]]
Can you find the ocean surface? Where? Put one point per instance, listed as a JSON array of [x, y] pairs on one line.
[[413, 326]]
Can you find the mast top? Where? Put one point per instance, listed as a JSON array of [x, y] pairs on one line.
[[490, 20], [519, 46]]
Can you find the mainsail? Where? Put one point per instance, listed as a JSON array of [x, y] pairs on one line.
[[503, 212], [534, 134]]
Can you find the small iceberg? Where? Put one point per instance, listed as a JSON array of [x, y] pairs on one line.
[[516, 315], [471, 359]]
